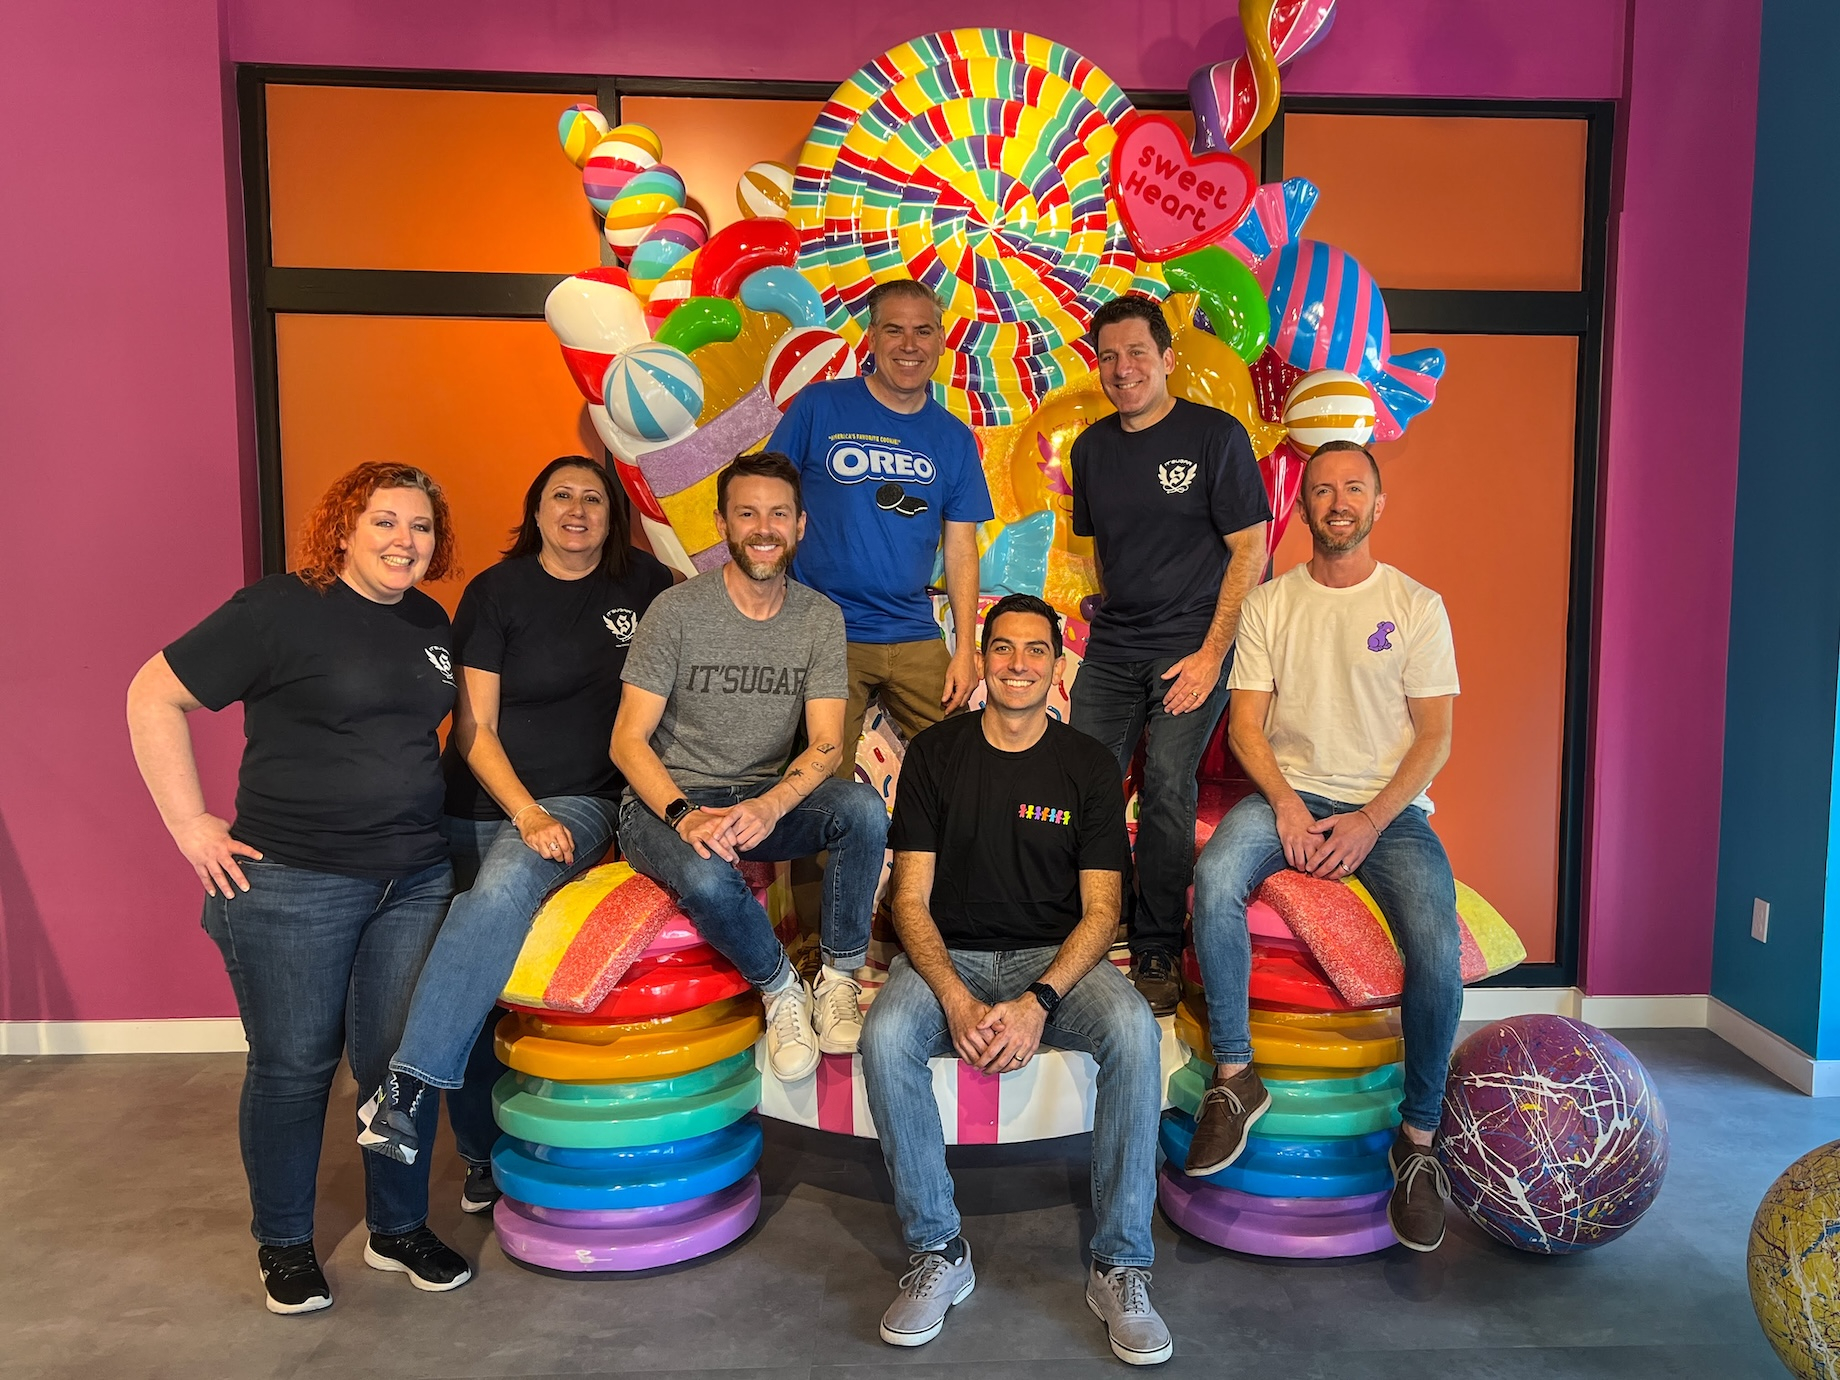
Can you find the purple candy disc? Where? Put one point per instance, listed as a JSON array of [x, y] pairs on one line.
[[1296, 1228], [626, 1238]]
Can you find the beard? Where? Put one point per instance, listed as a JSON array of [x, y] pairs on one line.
[[761, 571], [1335, 545]]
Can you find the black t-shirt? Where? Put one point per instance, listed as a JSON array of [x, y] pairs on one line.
[[343, 700], [558, 647], [1157, 503], [1011, 831]]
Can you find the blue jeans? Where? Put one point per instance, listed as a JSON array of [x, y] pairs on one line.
[[322, 965], [845, 817], [1118, 702], [485, 929], [1102, 1016], [1408, 874]]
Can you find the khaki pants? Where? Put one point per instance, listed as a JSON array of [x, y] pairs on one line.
[[908, 677]]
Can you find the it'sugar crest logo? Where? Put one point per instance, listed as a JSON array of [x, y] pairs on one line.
[[622, 623], [442, 662], [1176, 475]]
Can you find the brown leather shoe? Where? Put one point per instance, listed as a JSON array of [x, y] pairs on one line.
[[1420, 1185], [1227, 1112], [1158, 978]]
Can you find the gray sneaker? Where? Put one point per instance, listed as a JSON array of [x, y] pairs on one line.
[[934, 1284], [1121, 1299]]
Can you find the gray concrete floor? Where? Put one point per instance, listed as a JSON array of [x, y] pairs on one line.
[[124, 1253]]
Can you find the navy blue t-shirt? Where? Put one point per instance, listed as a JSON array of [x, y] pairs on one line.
[[1157, 503], [878, 485]]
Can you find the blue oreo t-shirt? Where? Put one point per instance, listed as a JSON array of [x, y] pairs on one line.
[[878, 486]]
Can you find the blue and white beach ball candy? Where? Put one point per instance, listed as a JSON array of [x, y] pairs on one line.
[[654, 391]]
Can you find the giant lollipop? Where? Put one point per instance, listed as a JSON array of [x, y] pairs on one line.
[[975, 161]]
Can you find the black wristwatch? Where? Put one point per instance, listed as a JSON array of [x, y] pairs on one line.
[[674, 812], [1046, 995]]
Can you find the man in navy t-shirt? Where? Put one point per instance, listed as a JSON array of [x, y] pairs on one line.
[[886, 473], [1171, 495]]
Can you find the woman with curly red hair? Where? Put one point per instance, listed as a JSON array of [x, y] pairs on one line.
[[326, 893]]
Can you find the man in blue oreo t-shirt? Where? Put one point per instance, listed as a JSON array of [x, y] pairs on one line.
[[889, 476]]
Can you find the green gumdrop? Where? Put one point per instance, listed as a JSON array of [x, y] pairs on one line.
[[1230, 295], [700, 321]]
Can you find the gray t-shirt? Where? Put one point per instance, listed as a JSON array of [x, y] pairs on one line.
[[735, 688]]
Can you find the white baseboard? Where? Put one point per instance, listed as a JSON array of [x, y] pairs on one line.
[[210, 1035], [1816, 1077]]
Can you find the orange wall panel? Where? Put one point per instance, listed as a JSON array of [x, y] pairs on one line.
[[469, 181], [1479, 508], [1447, 202], [481, 405], [712, 141]]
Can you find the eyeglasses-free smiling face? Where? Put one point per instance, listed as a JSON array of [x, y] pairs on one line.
[[1132, 371], [573, 513], [388, 550], [908, 342], [1340, 500], [1019, 662], [762, 525]]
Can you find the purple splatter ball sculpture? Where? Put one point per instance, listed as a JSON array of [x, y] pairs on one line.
[[1552, 1133]]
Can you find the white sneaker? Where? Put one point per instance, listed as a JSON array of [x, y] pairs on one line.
[[838, 1015], [792, 1047]]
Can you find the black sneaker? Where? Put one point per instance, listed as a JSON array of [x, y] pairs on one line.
[[481, 1189], [387, 1120], [1157, 977], [420, 1255], [293, 1279]]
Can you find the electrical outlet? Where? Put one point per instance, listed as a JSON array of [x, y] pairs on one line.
[[1760, 920]]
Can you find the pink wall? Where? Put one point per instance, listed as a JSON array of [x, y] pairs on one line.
[[1425, 47], [1682, 246], [123, 514], [98, 916]]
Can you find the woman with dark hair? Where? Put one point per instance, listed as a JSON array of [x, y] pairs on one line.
[[325, 894], [532, 794]]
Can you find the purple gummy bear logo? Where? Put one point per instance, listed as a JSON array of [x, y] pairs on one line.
[[1378, 642]]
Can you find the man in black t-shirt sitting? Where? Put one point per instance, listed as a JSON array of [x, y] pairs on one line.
[[1009, 845], [1170, 493]]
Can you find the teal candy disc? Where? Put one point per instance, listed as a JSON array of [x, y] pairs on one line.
[[603, 1115], [1309, 1107]]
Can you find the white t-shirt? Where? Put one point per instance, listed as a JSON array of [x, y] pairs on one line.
[[1341, 664]]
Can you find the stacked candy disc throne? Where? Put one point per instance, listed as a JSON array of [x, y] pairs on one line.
[[629, 1135], [1313, 1180]]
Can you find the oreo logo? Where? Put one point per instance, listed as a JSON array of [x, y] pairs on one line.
[[851, 462]]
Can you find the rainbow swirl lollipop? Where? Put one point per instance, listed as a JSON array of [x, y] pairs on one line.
[[975, 161]]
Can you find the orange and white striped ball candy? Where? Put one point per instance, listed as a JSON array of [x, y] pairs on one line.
[[806, 356], [1328, 405], [765, 191]]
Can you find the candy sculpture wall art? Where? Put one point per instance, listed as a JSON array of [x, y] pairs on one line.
[[1011, 175]]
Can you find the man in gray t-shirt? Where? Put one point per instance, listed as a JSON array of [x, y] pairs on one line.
[[723, 670]]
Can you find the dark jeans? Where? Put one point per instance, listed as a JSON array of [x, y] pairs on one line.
[[846, 818], [1408, 874], [322, 965], [1118, 702]]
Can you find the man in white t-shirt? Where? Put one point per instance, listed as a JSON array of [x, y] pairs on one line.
[[1341, 708]]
